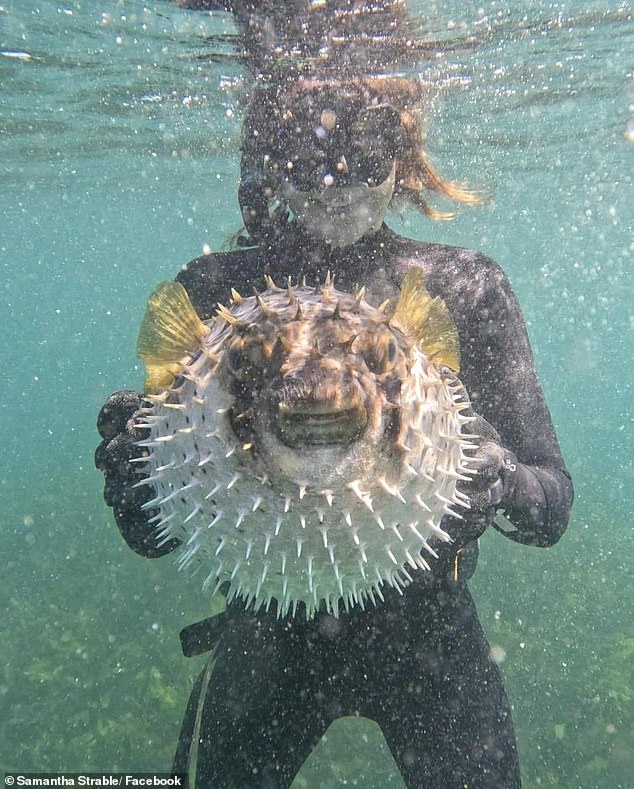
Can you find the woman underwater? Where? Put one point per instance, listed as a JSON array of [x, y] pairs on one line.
[[321, 162]]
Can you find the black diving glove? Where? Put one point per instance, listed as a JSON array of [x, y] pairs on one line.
[[493, 475], [114, 456]]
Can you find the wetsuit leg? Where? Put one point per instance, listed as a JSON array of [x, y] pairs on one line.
[[261, 715], [443, 709], [418, 665]]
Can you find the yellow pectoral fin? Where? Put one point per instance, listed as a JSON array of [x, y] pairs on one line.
[[427, 320], [170, 331], [159, 375]]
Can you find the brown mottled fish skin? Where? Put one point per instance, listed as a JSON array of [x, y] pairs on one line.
[[304, 445]]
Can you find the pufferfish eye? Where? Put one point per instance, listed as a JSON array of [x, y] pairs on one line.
[[235, 357], [244, 359], [382, 354]]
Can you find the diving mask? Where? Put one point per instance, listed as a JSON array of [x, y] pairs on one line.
[[338, 146]]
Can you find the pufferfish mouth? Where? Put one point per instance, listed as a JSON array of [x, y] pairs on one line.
[[306, 423]]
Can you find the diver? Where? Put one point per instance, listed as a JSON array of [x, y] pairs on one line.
[[321, 162]]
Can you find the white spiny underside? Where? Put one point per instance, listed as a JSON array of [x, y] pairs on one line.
[[298, 541]]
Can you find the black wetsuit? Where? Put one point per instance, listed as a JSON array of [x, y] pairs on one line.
[[417, 664]]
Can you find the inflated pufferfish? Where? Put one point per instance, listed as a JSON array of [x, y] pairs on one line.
[[303, 444]]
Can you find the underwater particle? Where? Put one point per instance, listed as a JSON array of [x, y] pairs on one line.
[[497, 654], [629, 131], [560, 730], [28, 520], [17, 55]]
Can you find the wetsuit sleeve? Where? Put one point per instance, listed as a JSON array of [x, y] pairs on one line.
[[499, 372]]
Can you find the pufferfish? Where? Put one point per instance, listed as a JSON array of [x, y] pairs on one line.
[[303, 444]]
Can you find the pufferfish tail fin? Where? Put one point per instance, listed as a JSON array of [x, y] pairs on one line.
[[170, 331], [427, 320]]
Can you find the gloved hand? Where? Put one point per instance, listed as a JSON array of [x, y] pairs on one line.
[[493, 475], [116, 424]]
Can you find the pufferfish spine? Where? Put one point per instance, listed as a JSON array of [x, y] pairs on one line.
[[303, 447]]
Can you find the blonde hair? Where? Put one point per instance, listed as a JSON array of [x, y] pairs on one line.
[[415, 175]]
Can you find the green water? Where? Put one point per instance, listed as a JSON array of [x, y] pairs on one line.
[[118, 149]]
